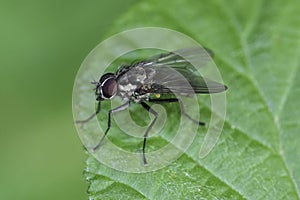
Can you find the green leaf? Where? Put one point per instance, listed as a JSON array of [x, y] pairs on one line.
[[257, 47]]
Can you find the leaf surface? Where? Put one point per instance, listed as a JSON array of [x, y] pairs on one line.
[[257, 47]]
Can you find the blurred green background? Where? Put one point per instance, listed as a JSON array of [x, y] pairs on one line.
[[42, 46]]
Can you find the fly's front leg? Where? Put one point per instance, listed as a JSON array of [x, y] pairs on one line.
[[149, 109], [171, 100], [90, 117], [117, 109]]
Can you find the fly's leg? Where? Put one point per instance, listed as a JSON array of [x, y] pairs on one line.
[[90, 117], [171, 100], [117, 109], [149, 109]]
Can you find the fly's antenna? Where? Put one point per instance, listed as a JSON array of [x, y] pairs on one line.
[[95, 83]]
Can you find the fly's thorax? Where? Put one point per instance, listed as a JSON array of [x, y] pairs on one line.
[[131, 92], [132, 81], [127, 89], [137, 75]]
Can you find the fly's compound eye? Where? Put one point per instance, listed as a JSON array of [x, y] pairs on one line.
[[109, 87]]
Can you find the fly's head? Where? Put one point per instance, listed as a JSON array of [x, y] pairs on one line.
[[107, 87]]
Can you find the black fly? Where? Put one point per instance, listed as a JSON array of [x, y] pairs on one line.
[[168, 73]]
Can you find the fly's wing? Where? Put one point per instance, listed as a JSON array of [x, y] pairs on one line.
[[175, 74], [181, 58], [181, 81]]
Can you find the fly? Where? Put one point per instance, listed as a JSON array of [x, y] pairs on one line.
[[149, 80]]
